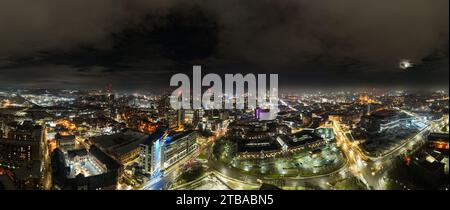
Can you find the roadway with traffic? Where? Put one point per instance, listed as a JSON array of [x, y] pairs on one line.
[[370, 170]]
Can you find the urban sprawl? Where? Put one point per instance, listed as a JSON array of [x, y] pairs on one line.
[[106, 140]]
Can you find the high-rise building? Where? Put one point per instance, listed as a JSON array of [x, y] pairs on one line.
[[178, 146], [175, 118], [22, 149], [164, 151], [21, 144], [147, 151]]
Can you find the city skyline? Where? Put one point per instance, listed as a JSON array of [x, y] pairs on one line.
[[99, 140], [224, 95]]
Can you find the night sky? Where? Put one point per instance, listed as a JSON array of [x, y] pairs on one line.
[[139, 44]]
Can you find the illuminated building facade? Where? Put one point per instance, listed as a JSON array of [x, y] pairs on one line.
[[84, 170], [385, 119], [147, 159], [171, 148], [179, 146], [21, 144], [66, 142]]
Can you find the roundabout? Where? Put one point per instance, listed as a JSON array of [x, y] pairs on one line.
[[306, 163]]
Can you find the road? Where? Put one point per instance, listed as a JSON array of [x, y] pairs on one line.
[[165, 179], [321, 181], [369, 169]]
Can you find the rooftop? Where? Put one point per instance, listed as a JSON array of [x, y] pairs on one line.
[[179, 135], [120, 143], [79, 152], [387, 114], [268, 144], [301, 138]]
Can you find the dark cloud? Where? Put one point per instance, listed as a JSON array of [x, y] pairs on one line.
[[327, 42]]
